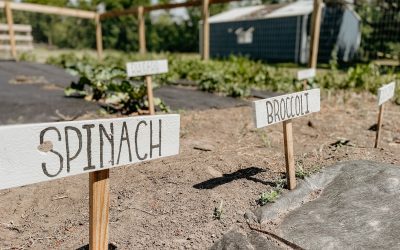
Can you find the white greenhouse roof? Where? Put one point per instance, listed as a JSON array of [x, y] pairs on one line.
[[299, 8]]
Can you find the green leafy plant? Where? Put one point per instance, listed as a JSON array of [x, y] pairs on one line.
[[109, 86], [235, 76], [267, 197], [218, 211]]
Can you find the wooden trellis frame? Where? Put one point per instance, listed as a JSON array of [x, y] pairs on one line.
[[97, 17], [140, 11]]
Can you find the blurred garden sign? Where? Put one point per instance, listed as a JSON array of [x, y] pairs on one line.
[[146, 69], [34, 153], [305, 75], [283, 109], [384, 94]]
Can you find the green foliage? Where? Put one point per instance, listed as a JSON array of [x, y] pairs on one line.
[[379, 29], [236, 76], [218, 211], [106, 84], [163, 33], [268, 197], [27, 57]]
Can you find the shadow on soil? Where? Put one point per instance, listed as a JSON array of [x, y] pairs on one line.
[[247, 173], [86, 247]]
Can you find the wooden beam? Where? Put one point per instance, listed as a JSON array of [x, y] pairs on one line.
[[166, 6], [205, 53], [315, 32], [99, 37], [142, 34], [17, 27], [289, 156], [99, 203], [45, 9], [10, 22]]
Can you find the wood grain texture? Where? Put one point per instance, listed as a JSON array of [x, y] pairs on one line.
[[142, 34], [315, 33], [34, 153], [279, 108], [99, 203], [45, 9], [10, 22], [379, 126], [161, 6], [150, 97], [99, 37], [289, 155], [205, 30], [17, 27]]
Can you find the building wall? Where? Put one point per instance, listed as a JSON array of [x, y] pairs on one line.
[[273, 40], [287, 39]]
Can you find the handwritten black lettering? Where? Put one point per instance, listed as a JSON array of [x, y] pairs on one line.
[[44, 168]]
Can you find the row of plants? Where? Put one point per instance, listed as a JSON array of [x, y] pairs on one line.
[[106, 81]]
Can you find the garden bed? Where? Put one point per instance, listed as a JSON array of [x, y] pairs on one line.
[[170, 203]]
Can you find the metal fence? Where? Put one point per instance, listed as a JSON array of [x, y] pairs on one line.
[[380, 28]]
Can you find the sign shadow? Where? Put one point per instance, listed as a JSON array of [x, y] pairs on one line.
[[111, 246], [247, 173]]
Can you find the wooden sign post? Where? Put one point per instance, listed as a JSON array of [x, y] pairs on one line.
[[283, 109], [34, 153], [11, 33], [304, 75], [146, 69], [384, 94]]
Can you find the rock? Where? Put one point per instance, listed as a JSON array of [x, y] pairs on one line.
[[236, 240]]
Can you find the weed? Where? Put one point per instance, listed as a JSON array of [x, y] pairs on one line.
[[280, 184], [218, 211], [267, 197], [264, 137], [301, 173]]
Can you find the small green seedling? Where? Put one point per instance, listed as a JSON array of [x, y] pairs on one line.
[[301, 173], [218, 211], [267, 197], [264, 137]]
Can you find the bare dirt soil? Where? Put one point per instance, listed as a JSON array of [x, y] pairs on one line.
[[169, 203]]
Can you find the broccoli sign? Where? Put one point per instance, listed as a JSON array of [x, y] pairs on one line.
[[283, 109]]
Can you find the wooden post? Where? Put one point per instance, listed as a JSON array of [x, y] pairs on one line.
[[99, 203], [142, 35], [150, 98], [206, 31], [99, 37], [11, 34], [315, 32], [305, 84], [289, 157], [379, 126]]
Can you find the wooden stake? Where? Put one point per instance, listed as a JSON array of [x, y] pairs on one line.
[[379, 126], [142, 35], [99, 203], [99, 37], [150, 98], [315, 32], [289, 157], [305, 84], [11, 34], [206, 31]]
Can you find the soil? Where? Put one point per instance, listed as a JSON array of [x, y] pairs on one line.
[[169, 203]]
